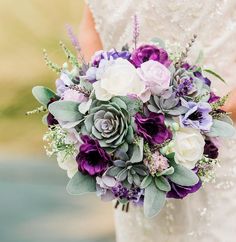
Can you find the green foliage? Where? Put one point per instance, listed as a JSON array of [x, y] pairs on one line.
[[215, 75], [81, 184], [43, 94], [137, 155], [221, 129], [65, 111], [154, 200], [183, 176]]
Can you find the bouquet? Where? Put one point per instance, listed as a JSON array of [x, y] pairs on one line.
[[139, 125]]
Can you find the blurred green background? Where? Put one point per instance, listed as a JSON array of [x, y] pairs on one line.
[[34, 203]]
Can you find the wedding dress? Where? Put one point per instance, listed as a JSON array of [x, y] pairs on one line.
[[210, 214]]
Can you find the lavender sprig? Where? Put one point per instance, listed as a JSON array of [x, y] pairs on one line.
[[136, 31], [75, 42]]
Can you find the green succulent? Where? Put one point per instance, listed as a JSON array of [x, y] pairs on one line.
[[127, 172], [109, 123], [167, 103]]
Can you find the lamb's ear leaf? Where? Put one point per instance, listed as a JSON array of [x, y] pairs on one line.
[[67, 111], [183, 176], [146, 182], [221, 129], [43, 94], [81, 184], [162, 184], [137, 155], [154, 200]]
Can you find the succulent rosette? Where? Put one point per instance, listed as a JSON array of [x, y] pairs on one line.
[[137, 125], [109, 123]]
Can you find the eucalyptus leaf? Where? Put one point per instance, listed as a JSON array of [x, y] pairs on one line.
[[183, 176], [81, 184], [43, 94], [113, 171], [154, 200], [65, 111], [162, 183], [221, 129]]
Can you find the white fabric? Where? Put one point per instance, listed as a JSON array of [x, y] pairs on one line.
[[209, 215]]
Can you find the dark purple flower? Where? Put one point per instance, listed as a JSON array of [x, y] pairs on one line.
[[152, 128], [150, 52], [213, 98], [202, 78], [186, 66], [50, 118], [210, 149], [109, 55], [198, 116], [179, 192], [92, 159]]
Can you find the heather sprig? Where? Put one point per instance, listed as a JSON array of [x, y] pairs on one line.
[[136, 30]]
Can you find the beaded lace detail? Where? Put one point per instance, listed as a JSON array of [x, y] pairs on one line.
[[209, 215]]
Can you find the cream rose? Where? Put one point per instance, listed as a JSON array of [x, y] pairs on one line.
[[118, 79], [188, 147]]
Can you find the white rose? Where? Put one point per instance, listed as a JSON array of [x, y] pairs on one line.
[[68, 163], [188, 147], [118, 79]]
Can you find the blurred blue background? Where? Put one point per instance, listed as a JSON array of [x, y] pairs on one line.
[[34, 205]]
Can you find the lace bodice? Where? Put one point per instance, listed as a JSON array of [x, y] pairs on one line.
[[214, 21], [209, 215]]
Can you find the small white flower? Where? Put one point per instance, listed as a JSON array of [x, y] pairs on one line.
[[188, 147], [118, 79], [67, 162]]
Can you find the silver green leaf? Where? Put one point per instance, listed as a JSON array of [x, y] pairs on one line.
[[146, 182], [162, 184], [67, 111], [43, 94], [221, 129], [81, 184], [183, 176], [166, 172], [154, 200], [137, 155]]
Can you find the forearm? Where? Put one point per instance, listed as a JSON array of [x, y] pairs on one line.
[[88, 37], [230, 105]]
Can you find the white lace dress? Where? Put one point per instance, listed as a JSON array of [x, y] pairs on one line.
[[209, 215]]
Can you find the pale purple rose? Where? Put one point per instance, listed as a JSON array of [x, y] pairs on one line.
[[198, 116], [75, 96], [155, 76], [63, 83]]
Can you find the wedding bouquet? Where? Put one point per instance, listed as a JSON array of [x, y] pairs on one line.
[[139, 125]]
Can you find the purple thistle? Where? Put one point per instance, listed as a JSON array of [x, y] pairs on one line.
[[135, 30]]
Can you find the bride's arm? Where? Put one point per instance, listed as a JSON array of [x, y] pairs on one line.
[[230, 105], [88, 37]]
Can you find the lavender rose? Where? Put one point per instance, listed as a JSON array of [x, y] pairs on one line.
[[155, 76], [92, 159], [152, 128], [150, 52]]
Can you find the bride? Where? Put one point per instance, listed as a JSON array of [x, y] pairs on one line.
[[209, 215]]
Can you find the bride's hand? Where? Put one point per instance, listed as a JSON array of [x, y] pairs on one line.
[[230, 105]]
